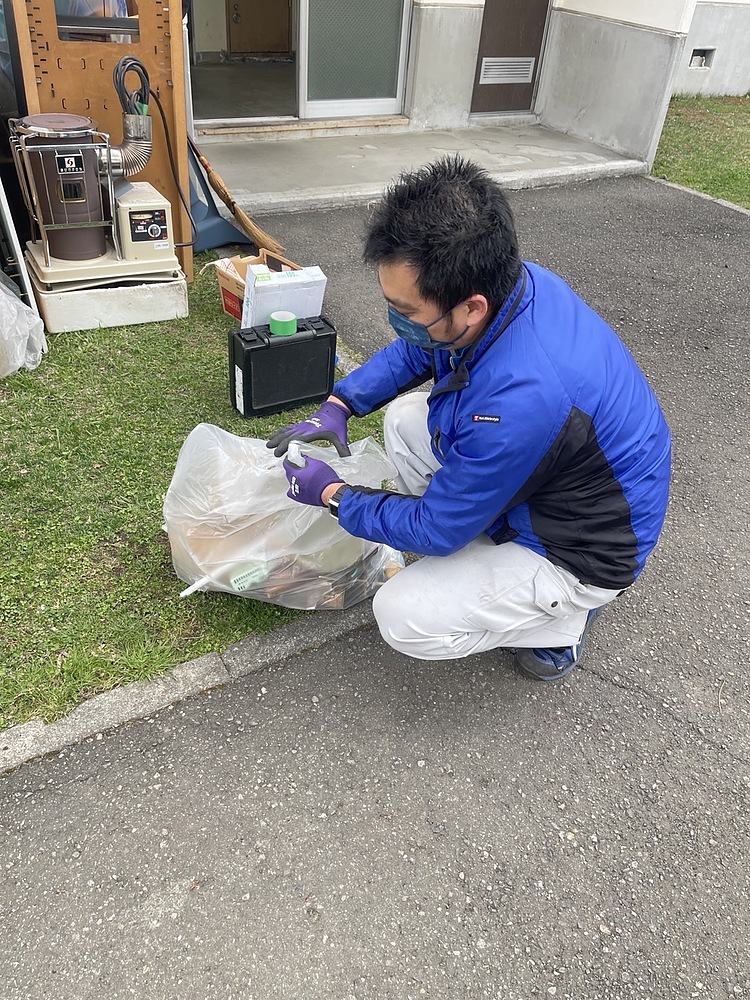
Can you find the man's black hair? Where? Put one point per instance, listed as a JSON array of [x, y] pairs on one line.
[[453, 223]]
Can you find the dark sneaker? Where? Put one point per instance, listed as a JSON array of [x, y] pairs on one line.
[[554, 664]]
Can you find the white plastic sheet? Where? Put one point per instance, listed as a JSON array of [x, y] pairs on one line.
[[232, 527], [22, 340]]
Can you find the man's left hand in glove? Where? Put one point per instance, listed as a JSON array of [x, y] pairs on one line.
[[312, 483]]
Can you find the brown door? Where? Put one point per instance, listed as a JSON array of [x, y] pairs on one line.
[[509, 50], [259, 27]]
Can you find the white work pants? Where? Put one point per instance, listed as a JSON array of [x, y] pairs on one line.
[[482, 597]]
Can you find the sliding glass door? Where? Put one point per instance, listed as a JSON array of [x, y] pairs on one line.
[[351, 57]]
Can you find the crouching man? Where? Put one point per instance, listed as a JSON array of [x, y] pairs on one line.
[[533, 477]]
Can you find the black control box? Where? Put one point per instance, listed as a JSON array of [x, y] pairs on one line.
[[270, 373]]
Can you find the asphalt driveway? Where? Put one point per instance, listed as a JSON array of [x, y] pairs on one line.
[[348, 823]]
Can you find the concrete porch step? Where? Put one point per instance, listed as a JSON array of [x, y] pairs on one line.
[[237, 130], [321, 171], [295, 128]]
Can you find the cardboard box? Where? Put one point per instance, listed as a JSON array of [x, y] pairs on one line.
[[231, 273], [267, 291]]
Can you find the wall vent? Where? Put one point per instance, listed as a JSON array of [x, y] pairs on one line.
[[508, 70], [702, 58]]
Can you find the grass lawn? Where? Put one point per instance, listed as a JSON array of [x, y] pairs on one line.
[[88, 596], [705, 145]]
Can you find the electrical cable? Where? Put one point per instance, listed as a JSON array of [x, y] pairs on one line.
[[133, 102], [136, 102], [174, 173]]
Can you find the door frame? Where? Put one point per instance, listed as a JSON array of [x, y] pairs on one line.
[[307, 109]]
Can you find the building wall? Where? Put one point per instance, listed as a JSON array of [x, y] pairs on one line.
[[664, 15], [442, 60], [608, 79], [724, 27]]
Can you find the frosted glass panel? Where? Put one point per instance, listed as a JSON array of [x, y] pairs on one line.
[[353, 49]]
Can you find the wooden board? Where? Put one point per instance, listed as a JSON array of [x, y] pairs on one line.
[[76, 77]]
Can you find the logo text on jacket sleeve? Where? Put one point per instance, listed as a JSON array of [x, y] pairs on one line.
[[485, 418]]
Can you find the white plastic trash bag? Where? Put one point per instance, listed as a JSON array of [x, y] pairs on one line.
[[22, 341], [232, 527]]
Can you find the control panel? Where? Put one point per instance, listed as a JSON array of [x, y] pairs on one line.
[[148, 227], [144, 219]]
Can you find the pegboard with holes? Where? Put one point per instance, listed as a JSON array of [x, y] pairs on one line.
[[67, 67]]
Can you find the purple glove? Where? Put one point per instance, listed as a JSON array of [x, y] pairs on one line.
[[307, 482], [326, 424]]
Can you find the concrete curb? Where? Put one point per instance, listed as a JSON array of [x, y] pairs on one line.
[[699, 194], [26, 742], [260, 203]]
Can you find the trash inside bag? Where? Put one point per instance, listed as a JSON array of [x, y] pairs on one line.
[[232, 527], [22, 340]]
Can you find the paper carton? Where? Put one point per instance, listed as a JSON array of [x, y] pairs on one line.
[[267, 291], [231, 273]]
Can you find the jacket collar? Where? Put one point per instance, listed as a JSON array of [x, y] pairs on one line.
[[515, 303]]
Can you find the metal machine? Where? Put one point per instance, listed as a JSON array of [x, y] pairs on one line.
[[95, 227]]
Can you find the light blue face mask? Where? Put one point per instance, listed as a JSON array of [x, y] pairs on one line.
[[419, 334]]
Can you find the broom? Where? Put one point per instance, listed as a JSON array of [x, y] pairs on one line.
[[256, 234]]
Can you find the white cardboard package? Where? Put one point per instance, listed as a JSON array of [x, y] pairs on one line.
[[266, 292]]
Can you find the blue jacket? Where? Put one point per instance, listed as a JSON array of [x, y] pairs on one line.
[[547, 434]]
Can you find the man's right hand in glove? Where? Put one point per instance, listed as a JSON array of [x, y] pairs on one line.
[[326, 424]]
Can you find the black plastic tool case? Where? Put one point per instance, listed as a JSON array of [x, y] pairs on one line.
[[268, 374]]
